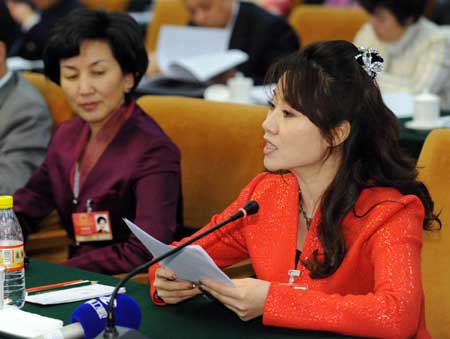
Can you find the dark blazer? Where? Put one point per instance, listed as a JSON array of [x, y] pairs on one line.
[[264, 37], [137, 177], [32, 43]]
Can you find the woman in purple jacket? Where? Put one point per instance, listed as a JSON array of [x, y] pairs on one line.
[[113, 160]]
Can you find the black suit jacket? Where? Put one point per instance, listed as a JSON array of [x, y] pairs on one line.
[[264, 37], [32, 43]]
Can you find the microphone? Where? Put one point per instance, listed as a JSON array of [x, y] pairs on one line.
[[89, 319], [111, 332]]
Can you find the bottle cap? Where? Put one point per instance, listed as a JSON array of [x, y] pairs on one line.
[[6, 201]]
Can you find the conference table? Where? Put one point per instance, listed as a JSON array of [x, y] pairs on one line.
[[196, 318], [411, 140]]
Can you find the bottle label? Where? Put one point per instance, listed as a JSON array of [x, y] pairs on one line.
[[11, 257]]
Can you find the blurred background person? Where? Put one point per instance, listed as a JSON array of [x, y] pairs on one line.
[[441, 12], [415, 50], [36, 19], [25, 122], [265, 37], [278, 7], [113, 159]]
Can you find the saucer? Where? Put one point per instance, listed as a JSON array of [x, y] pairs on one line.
[[217, 93], [428, 125], [222, 93]]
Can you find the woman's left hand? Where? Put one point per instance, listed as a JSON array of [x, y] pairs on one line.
[[246, 298]]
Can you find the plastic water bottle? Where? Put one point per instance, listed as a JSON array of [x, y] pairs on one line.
[[11, 254]]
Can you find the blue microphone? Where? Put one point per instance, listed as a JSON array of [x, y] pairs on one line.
[[92, 314]]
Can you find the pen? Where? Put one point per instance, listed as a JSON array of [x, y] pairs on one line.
[[57, 285]]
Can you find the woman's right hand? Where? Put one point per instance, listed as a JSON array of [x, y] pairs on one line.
[[171, 290]]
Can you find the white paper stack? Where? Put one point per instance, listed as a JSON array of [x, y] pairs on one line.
[[195, 54], [72, 294], [12, 322]]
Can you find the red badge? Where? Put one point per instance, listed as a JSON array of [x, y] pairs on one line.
[[92, 226]]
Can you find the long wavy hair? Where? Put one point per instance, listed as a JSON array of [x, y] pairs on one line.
[[327, 84]]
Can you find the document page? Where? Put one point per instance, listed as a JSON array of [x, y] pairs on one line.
[[195, 53], [72, 294], [12, 322], [204, 67], [192, 263]]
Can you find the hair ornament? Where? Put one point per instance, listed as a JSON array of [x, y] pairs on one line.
[[370, 60]]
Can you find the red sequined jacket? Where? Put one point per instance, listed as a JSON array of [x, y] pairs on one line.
[[376, 291]]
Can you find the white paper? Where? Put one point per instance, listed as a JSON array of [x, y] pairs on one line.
[[401, 103], [21, 64], [72, 294], [192, 263], [12, 322], [195, 53]]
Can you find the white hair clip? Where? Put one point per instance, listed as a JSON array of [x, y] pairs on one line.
[[370, 60]]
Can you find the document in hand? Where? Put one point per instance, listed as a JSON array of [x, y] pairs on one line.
[[192, 263], [195, 54]]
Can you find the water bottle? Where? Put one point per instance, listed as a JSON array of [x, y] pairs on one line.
[[11, 254]]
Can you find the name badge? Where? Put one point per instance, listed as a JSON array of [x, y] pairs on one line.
[[92, 226]]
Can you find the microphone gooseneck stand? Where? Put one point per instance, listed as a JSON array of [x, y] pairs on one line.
[[111, 332]]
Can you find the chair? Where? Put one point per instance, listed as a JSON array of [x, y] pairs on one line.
[[165, 12], [315, 23], [434, 171], [51, 242], [108, 5], [221, 151], [53, 95]]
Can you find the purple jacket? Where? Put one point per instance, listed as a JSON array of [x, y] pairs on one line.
[[137, 177]]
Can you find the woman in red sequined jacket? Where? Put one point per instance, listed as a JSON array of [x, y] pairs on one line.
[[341, 208]]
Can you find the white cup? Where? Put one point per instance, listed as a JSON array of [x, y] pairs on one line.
[[240, 88], [426, 108]]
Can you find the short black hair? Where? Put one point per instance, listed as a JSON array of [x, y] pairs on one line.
[[119, 30], [100, 219], [401, 9]]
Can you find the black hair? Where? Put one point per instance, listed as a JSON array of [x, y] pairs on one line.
[[326, 83], [101, 218], [401, 9], [119, 30]]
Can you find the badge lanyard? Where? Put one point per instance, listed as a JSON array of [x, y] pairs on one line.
[[76, 184], [76, 189]]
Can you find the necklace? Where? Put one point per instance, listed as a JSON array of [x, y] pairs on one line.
[[308, 220]]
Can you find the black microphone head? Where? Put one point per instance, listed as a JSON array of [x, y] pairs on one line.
[[251, 207]]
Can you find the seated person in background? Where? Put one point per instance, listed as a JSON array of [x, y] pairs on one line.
[[36, 19], [341, 210], [415, 51], [113, 157], [441, 12], [263, 36], [25, 122], [278, 7]]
